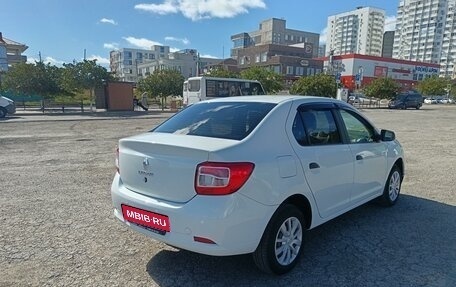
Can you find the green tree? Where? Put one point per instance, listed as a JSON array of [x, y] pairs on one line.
[[221, 72], [433, 86], [33, 79], [320, 85], [85, 75], [382, 88], [271, 81], [162, 83]]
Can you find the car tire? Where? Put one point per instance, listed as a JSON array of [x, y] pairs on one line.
[[281, 244], [3, 112], [418, 107], [392, 187]]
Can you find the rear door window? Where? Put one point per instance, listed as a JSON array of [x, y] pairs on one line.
[[317, 127]]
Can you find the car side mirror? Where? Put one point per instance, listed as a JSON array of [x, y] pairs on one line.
[[387, 135]]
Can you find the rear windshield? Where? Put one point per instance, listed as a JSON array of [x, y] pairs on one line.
[[229, 120]]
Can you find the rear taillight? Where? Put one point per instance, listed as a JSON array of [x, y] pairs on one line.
[[219, 178], [117, 160]]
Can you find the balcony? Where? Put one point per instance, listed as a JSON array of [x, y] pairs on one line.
[[16, 59]]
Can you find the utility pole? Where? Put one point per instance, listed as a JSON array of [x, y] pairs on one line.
[[39, 56]]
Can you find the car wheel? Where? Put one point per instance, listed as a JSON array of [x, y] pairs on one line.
[[392, 187], [2, 112], [418, 107], [280, 246]]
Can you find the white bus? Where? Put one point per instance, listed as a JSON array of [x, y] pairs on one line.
[[202, 88]]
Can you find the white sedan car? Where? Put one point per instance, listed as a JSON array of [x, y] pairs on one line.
[[251, 174]]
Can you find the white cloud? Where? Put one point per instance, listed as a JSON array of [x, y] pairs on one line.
[[141, 42], [172, 49], [184, 41], [111, 46], [167, 7], [390, 23], [203, 9], [108, 21], [208, 56], [100, 60]]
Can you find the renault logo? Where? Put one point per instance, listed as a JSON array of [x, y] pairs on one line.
[[146, 163]]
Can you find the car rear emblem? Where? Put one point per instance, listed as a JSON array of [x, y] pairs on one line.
[[146, 163]]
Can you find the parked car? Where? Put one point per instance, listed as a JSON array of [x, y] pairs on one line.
[[245, 175], [445, 100], [7, 106], [430, 101], [361, 99], [406, 100]]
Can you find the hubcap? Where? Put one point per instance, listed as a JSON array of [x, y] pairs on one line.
[[394, 185], [288, 241]]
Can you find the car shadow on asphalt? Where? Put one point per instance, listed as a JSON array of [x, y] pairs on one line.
[[410, 244]]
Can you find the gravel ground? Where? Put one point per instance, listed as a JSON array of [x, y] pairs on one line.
[[57, 226]]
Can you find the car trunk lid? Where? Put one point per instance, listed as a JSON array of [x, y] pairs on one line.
[[163, 165]]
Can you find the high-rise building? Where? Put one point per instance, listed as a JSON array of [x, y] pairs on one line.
[[274, 31], [426, 32], [387, 47], [448, 53], [420, 28], [356, 32]]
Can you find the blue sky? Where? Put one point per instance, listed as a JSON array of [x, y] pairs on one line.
[[62, 29]]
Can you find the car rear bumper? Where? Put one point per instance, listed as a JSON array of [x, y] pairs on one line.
[[234, 222]]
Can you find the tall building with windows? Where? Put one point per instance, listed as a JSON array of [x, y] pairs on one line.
[[448, 53], [359, 31], [274, 31], [426, 32], [420, 29]]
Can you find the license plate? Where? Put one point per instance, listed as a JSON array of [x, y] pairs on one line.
[[146, 218]]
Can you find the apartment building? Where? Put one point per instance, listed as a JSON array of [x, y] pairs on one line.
[[448, 47], [274, 31], [292, 61], [124, 62], [130, 65], [425, 31], [359, 31]]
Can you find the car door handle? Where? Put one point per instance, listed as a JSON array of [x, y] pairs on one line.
[[314, 165], [359, 157]]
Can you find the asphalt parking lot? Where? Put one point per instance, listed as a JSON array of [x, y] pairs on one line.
[[57, 226]]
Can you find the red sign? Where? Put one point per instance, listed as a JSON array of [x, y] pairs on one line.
[[380, 72], [146, 218]]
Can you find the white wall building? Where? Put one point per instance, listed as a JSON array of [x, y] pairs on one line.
[[130, 65], [426, 32], [124, 62], [359, 31]]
